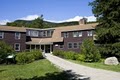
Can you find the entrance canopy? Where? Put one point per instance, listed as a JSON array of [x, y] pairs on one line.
[[44, 40]]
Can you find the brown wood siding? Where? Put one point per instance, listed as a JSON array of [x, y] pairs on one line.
[[9, 38], [72, 39]]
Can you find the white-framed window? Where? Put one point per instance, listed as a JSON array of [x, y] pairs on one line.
[[1, 35], [89, 33], [66, 35], [17, 46], [70, 45], [61, 46], [34, 33], [77, 34], [17, 35], [75, 45], [80, 34]]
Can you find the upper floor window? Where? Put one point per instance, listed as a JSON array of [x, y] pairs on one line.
[[77, 34], [1, 35], [34, 33], [17, 35], [66, 35], [89, 33], [17, 47]]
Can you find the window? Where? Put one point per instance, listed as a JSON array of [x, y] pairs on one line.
[[77, 34], [28, 33], [1, 35], [66, 35], [89, 33], [44, 33], [69, 45], [75, 45], [17, 35], [17, 47], [61, 46], [34, 33]]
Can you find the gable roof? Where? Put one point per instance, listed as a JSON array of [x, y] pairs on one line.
[[11, 28]]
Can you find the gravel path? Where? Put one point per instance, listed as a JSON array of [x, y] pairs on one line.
[[94, 74]]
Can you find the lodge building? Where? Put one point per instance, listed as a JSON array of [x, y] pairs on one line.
[[67, 38]]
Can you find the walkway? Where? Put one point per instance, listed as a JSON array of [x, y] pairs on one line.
[[94, 74]]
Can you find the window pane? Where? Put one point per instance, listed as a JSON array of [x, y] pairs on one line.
[[75, 34], [75, 45], [17, 47], [61, 46], [80, 34], [1, 35], [69, 45], [17, 35]]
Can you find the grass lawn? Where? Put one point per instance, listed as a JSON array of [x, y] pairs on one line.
[[99, 65], [29, 71]]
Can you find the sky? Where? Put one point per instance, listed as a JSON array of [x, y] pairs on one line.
[[52, 10]]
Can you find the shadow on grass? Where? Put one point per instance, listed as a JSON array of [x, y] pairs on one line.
[[2, 70], [65, 75]]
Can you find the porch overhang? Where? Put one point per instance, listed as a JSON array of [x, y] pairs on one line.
[[42, 41]]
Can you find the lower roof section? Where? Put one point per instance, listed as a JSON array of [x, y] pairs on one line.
[[44, 40]]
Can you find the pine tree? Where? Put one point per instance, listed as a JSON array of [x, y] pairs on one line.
[[108, 29]]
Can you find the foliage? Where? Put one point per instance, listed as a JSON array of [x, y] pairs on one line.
[[5, 50], [59, 53], [27, 57], [65, 54], [89, 50], [108, 30], [69, 55], [80, 57], [39, 23]]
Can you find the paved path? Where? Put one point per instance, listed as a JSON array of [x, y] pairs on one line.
[[94, 74]]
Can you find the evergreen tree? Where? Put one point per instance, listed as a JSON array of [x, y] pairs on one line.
[[108, 29], [38, 23]]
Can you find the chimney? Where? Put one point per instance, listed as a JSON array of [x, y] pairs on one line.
[[83, 21]]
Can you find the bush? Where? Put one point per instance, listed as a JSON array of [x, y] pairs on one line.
[[58, 53], [27, 57], [69, 55], [5, 50], [80, 57], [90, 52], [65, 54]]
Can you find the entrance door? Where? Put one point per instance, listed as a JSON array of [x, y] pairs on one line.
[[47, 48]]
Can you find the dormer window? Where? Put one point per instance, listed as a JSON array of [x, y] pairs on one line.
[[1, 35], [89, 33], [34, 33], [66, 35], [17, 35], [77, 34]]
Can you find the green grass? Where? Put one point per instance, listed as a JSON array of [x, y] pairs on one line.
[[99, 65], [37, 68]]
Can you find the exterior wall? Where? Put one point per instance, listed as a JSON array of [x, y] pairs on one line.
[[72, 39], [9, 38]]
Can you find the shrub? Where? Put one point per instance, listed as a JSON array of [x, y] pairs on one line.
[[37, 54], [69, 55], [27, 57], [90, 52], [80, 57], [58, 53], [5, 50], [21, 58]]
